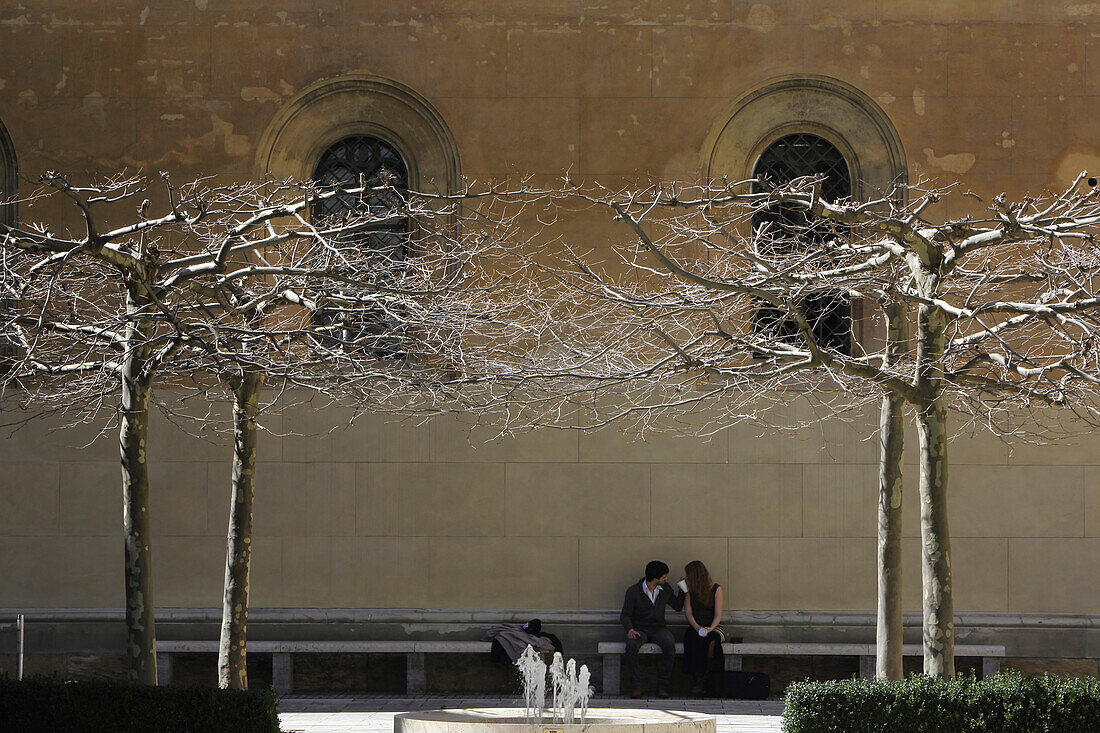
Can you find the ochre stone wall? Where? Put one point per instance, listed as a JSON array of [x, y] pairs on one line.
[[998, 95], [381, 515]]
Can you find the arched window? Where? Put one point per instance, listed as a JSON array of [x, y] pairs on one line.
[[8, 190], [339, 129], [352, 162], [803, 154], [788, 230], [837, 112], [362, 160], [9, 170]]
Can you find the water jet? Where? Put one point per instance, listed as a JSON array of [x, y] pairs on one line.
[[569, 694]]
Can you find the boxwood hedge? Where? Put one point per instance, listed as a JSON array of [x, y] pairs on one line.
[[1003, 703], [51, 704]]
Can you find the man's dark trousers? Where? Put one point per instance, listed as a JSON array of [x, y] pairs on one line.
[[663, 638]]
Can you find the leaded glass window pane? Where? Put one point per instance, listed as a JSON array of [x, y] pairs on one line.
[[786, 231], [357, 161], [802, 154], [367, 161]]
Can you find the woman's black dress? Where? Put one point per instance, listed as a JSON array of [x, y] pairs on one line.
[[696, 662]]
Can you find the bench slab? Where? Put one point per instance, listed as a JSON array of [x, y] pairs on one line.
[[282, 661], [333, 647], [612, 652], [619, 647], [782, 649]]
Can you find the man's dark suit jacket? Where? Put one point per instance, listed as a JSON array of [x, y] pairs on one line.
[[642, 614]]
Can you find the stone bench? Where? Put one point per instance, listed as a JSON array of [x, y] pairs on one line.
[[612, 652], [282, 659]]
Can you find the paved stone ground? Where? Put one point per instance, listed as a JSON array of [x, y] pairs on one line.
[[374, 713]]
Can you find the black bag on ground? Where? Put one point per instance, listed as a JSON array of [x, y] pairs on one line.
[[497, 653], [534, 628], [553, 640], [739, 685]]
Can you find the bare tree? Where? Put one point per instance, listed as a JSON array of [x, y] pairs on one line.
[[711, 304], [720, 296], [363, 320], [233, 288]]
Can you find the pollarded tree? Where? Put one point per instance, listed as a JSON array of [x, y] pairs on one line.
[[728, 295], [232, 288], [330, 312]]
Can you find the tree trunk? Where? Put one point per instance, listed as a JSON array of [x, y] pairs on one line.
[[939, 607], [141, 638], [888, 657], [232, 668]]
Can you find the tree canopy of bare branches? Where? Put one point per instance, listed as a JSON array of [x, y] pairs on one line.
[[717, 298], [232, 288], [712, 304]]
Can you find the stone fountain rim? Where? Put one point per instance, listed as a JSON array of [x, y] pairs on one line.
[[597, 716]]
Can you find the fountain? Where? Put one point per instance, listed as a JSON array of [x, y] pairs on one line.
[[569, 690], [532, 671]]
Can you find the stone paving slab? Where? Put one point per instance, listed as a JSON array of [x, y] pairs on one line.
[[374, 713]]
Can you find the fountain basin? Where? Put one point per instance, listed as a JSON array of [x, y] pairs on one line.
[[511, 720]]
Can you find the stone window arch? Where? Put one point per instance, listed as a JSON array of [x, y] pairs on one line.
[[826, 107], [818, 107], [353, 105]]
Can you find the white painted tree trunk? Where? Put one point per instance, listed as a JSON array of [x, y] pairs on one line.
[[232, 661]]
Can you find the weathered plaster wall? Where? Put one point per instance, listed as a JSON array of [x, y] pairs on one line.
[[390, 516], [999, 95]]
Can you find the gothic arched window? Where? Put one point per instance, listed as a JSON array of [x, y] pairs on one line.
[[788, 231], [362, 160]]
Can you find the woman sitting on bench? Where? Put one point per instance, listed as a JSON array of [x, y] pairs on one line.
[[703, 641]]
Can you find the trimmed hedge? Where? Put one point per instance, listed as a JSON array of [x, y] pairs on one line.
[[1004, 703], [51, 704]]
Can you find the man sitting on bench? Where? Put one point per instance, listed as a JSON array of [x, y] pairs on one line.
[[643, 617]]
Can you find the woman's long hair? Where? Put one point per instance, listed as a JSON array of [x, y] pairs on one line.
[[699, 583]]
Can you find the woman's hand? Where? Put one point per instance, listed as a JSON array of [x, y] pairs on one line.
[[688, 613]]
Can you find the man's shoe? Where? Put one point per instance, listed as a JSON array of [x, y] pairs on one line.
[[662, 693], [636, 693]]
